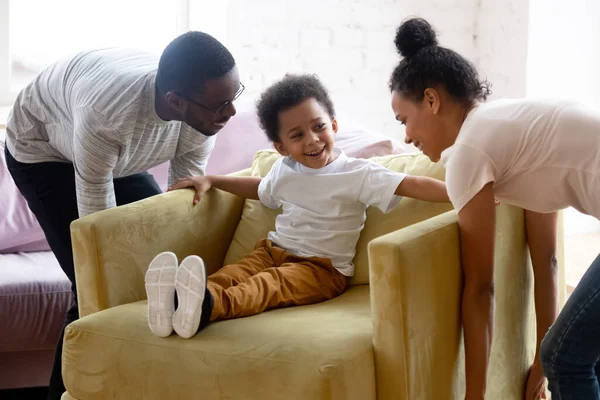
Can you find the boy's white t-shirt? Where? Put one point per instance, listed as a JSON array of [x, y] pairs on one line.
[[542, 156], [324, 209]]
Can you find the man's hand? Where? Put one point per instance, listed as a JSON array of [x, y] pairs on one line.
[[202, 184], [536, 383]]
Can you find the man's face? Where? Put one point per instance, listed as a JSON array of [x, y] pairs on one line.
[[209, 111]]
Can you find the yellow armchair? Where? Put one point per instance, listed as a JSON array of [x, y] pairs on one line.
[[394, 334]]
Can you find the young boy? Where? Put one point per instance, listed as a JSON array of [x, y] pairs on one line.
[[324, 195]]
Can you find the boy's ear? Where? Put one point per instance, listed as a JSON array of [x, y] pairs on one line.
[[334, 125], [280, 148]]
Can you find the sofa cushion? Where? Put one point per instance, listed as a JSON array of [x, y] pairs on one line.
[[34, 297], [18, 226], [323, 351], [257, 220]]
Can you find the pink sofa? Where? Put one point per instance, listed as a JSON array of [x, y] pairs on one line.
[[35, 293], [34, 297]]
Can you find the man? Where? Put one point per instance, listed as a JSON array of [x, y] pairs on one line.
[[82, 135]]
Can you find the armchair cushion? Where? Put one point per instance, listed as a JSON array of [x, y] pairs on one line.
[[322, 351]]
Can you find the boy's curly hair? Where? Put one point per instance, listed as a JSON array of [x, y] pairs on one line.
[[290, 91]]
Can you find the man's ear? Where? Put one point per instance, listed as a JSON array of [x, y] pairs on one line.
[[176, 102], [280, 148], [334, 125]]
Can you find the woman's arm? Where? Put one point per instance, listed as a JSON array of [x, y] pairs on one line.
[[542, 238], [423, 188], [477, 222], [243, 186]]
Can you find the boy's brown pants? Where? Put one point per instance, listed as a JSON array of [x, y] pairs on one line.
[[270, 277]]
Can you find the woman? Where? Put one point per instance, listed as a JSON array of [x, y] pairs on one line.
[[542, 156]]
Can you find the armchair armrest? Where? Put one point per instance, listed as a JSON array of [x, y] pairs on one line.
[[416, 288], [415, 299], [112, 248]]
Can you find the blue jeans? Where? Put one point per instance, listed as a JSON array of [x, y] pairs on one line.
[[571, 349]]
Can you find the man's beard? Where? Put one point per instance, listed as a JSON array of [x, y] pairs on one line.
[[199, 125]]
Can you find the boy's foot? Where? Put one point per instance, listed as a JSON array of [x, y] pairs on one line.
[[190, 283], [160, 289]]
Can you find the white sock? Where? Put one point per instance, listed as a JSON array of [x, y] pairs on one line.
[[190, 283], [160, 289]]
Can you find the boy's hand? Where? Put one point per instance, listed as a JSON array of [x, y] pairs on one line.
[[202, 184]]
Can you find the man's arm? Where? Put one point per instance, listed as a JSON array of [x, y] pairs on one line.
[[95, 154], [191, 163], [243, 186], [423, 188], [477, 222]]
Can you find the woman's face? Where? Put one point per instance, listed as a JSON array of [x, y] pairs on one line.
[[424, 127]]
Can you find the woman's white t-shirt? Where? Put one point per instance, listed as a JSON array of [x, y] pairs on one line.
[[542, 156]]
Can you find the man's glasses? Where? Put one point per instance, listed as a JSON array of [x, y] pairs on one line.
[[217, 110]]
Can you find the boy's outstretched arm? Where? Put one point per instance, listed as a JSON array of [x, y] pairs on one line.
[[423, 188], [243, 186]]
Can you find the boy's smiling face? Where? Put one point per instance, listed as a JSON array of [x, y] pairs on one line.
[[306, 133]]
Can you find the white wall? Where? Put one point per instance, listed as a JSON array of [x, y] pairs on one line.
[[36, 33], [349, 44], [564, 61], [5, 95], [502, 44]]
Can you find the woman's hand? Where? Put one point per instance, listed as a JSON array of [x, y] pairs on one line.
[[202, 184], [536, 383]]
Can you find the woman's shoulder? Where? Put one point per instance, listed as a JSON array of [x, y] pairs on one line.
[[499, 120], [508, 111]]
